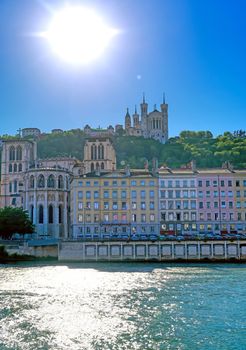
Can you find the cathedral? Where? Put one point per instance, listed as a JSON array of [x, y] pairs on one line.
[[152, 125]]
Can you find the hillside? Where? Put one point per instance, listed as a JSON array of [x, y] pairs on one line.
[[208, 151]]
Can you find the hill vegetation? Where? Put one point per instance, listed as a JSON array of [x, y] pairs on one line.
[[201, 146]]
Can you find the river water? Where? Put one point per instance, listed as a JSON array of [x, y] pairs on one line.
[[122, 306]]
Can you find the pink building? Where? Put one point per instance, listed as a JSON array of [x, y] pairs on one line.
[[215, 200]]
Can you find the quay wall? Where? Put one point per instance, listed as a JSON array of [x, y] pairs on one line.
[[153, 251], [35, 251]]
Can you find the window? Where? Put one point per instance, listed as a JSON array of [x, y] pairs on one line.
[[216, 205], [134, 194], [229, 183], [133, 183], [60, 214], [151, 194], [237, 183], [106, 217], [200, 194], [115, 217], [123, 183], [40, 214], [152, 183], [208, 205], [80, 205], [223, 204], [186, 204], [134, 217], [162, 193], [185, 194], [200, 205], [96, 194], [222, 183], [134, 205], [177, 193], [207, 194], [96, 183], [143, 205], [207, 183], [170, 194], [162, 183], [105, 183], [80, 183], [230, 194], [230, 205], [114, 183], [238, 194], [114, 194], [12, 153], [170, 183], [88, 218], [222, 193], [20, 167], [143, 218], [51, 181], [105, 194], [88, 194], [178, 204], [216, 193], [199, 183], [193, 204], [123, 194], [41, 181], [142, 194], [193, 194], [142, 183], [163, 204], [215, 183], [177, 183], [60, 182], [88, 183], [106, 205], [10, 187], [80, 194], [185, 183], [192, 183], [170, 204], [88, 205], [10, 168], [123, 217], [115, 206], [123, 205], [152, 205], [96, 205], [152, 217]]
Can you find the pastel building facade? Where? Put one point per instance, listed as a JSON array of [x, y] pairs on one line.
[[177, 201]]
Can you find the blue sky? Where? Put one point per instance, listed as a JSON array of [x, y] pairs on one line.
[[193, 50]]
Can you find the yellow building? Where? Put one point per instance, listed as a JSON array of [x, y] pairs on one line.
[[115, 204]]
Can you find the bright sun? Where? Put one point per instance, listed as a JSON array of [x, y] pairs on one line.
[[78, 35]]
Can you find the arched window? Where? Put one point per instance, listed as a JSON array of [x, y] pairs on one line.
[[100, 151], [31, 182], [31, 212], [92, 167], [19, 153], [60, 181], [50, 214], [10, 168], [40, 214], [12, 153], [15, 186], [51, 181], [60, 215], [41, 181], [20, 168], [97, 166], [10, 187], [102, 166], [15, 168], [93, 152]]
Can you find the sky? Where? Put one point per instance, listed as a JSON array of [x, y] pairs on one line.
[[193, 50]]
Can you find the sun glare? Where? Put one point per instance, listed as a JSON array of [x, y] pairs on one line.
[[78, 35]]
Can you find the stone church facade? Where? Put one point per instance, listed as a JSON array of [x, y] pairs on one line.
[[152, 125]]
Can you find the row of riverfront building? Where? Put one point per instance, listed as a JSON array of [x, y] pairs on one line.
[[68, 198]]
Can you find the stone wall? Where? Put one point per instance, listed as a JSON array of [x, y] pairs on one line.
[[153, 251]]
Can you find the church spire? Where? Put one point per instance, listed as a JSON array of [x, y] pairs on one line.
[[143, 97], [164, 98], [135, 109]]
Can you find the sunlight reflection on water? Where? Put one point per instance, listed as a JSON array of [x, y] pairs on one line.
[[122, 306]]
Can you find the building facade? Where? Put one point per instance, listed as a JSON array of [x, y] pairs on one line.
[[152, 125]]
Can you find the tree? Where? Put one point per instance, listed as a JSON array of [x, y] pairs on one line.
[[14, 220]]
